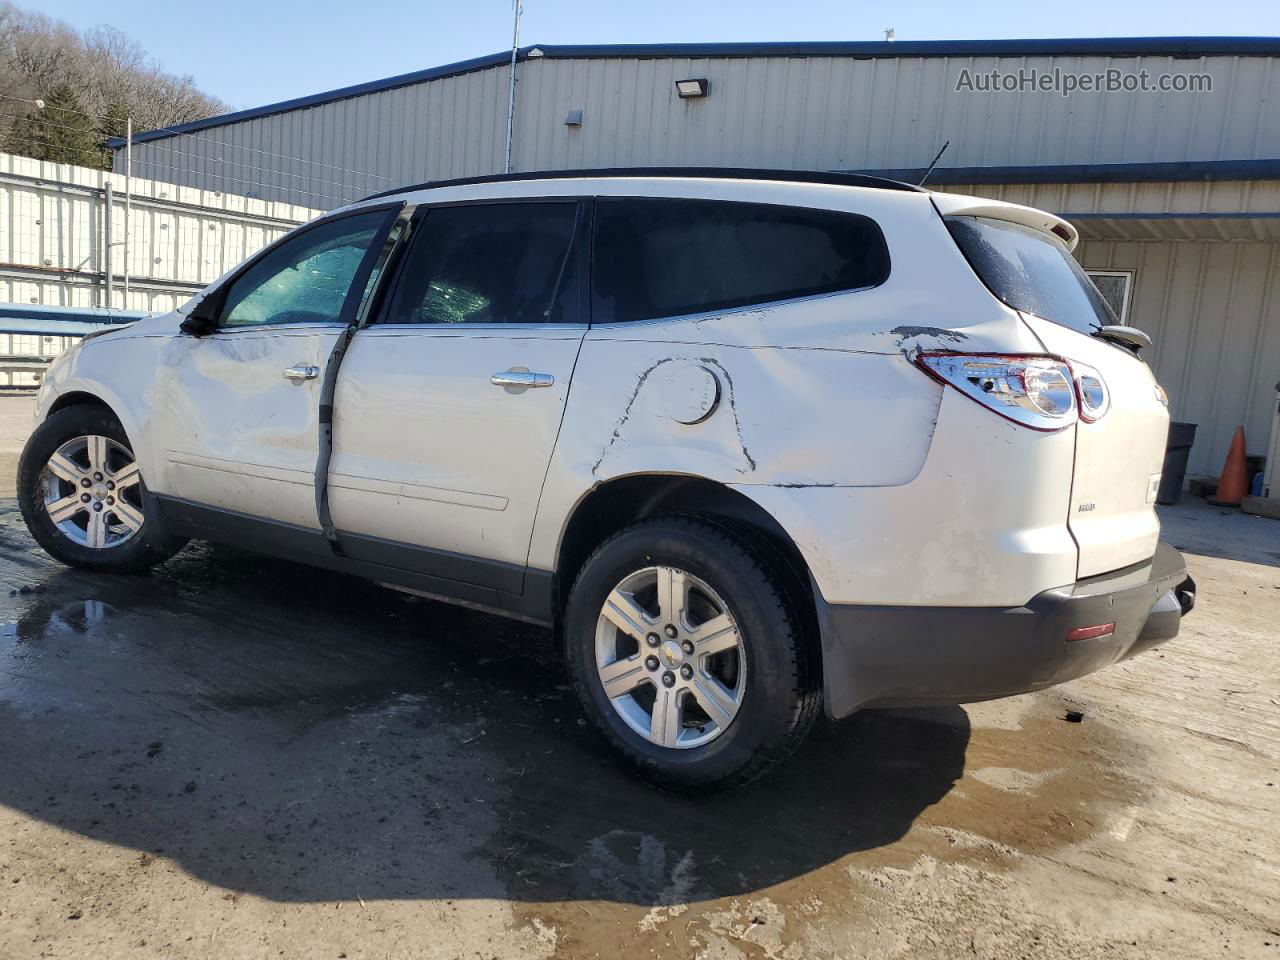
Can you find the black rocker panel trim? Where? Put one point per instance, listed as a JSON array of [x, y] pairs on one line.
[[502, 587]]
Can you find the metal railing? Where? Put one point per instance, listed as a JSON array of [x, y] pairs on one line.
[[32, 337]]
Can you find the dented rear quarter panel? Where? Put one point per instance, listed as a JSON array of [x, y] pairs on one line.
[[983, 524]]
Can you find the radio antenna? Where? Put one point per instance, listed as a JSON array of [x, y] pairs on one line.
[[934, 164]]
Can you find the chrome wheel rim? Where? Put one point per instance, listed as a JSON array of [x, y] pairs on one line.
[[670, 657], [93, 492]]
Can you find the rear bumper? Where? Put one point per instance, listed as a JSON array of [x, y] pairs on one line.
[[909, 656]]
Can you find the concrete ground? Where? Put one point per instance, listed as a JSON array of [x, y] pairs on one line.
[[237, 757], [16, 411]]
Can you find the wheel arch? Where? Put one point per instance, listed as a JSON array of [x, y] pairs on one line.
[[622, 501], [79, 398]]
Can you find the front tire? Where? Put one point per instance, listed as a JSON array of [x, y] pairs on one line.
[[688, 653], [81, 494]]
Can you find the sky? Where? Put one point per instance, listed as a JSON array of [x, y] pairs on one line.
[[254, 52]]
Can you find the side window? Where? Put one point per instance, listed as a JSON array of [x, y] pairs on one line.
[[489, 263], [307, 278], [664, 258]]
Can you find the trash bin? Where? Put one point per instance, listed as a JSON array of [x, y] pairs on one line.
[[1176, 451]]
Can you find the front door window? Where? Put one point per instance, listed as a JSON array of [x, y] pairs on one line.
[[307, 278]]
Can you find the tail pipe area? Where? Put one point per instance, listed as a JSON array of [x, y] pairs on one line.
[[1166, 617]]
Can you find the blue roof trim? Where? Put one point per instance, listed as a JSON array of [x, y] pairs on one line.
[[1189, 47], [1053, 46], [1208, 170]]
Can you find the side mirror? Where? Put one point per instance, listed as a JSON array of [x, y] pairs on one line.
[[201, 321]]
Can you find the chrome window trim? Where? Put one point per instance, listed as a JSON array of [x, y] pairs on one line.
[[275, 328]]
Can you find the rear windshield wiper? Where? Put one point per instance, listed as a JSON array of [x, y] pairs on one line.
[[1130, 337]]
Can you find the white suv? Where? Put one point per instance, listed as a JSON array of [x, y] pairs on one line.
[[752, 441]]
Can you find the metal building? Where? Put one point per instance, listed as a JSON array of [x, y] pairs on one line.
[[1169, 164]]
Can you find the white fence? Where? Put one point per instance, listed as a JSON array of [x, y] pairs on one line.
[[65, 239]]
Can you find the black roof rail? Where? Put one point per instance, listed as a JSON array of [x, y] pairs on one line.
[[708, 173]]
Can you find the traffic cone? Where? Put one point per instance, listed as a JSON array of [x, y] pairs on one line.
[[1232, 485]]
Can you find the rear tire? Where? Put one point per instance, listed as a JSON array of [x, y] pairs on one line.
[[82, 496], [688, 622]]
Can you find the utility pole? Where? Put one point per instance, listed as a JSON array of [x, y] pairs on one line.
[[128, 201], [109, 202], [511, 96]]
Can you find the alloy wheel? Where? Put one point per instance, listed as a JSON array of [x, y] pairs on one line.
[[93, 492], [670, 657]]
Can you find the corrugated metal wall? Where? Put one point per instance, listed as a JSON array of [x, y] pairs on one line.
[[844, 113], [52, 236], [1213, 310], [329, 155], [815, 112]]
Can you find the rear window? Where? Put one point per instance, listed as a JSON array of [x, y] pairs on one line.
[[1031, 271], [656, 257]]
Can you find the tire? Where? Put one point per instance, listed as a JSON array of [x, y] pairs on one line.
[[109, 531], [766, 692]]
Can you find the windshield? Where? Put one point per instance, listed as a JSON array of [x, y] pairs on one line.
[[1031, 271]]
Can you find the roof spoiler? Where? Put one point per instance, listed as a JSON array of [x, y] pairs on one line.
[[958, 205]]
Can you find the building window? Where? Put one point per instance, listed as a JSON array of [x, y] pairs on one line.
[[1115, 287]]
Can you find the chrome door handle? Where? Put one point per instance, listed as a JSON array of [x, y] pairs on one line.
[[521, 378], [301, 372]]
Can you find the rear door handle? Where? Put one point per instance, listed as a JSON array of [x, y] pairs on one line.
[[521, 378], [301, 372]]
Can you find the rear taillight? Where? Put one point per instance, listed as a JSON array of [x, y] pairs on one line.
[[1095, 399], [1037, 392]]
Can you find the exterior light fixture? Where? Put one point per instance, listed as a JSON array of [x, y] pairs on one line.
[[691, 89], [574, 119]]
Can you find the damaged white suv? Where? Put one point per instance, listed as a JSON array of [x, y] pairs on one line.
[[754, 442]]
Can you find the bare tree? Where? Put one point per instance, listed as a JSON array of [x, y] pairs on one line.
[[108, 73]]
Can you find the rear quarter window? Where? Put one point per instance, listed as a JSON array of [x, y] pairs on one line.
[[656, 257], [1031, 271]]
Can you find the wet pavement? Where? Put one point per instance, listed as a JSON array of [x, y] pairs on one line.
[[305, 736], [244, 757]]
